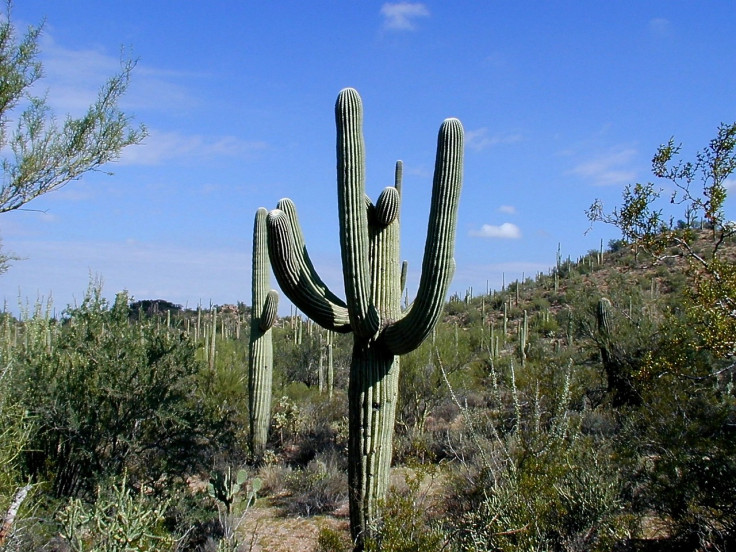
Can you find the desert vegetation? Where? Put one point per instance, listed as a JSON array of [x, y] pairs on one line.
[[115, 419], [590, 407]]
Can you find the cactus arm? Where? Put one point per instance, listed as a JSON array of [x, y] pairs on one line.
[[354, 238], [299, 284], [261, 267], [288, 207], [387, 206], [270, 310], [398, 175], [438, 264]]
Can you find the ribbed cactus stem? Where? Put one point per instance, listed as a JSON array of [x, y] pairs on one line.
[[603, 316], [523, 336], [354, 238], [297, 278], [373, 280], [260, 357], [404, 273], [438, 265], [330, 366]]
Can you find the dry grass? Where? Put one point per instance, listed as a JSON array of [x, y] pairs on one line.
[[266, 529]]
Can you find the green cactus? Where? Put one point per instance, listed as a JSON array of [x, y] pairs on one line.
[[223, 486], [616, 363], [523, 337], [369, 239], [260, 357]]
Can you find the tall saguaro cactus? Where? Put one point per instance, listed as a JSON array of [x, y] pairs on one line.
[[369, 239], [260, 357]]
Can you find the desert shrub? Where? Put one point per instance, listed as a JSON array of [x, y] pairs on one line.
[[319, 487], [119, 520], [406, 523], [109, 396], [274, 477], [682, 440], [536, 482], [330, 540]]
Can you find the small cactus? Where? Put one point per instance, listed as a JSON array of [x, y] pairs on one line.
[[224, 487]]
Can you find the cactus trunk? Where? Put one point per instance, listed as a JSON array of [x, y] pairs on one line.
[[369, 238], [373, 389], [260, 357]]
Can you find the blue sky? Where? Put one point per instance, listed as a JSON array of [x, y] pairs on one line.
[[562, 103]]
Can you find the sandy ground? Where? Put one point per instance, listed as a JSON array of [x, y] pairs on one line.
[[266, 530]]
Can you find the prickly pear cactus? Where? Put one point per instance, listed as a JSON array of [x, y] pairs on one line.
[[369, 239], [224, 486]]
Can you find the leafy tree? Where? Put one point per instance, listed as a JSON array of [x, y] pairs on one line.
[[642, 224], [42, 154]]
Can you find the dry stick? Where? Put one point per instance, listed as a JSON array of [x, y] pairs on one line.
[[469, 421], [9, 518]]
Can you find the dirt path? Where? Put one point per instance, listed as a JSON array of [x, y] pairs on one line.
[[266, 529]]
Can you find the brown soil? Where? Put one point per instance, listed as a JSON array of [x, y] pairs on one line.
[[266, 529]]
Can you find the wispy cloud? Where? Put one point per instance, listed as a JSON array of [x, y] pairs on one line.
[[660, 27], [479, 139], [506, 230], [166, 146], [146, 270], [401, 16], [75, 76], [730, 184], [609, 168], [508, 209]]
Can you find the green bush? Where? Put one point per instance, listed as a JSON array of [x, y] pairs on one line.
[[536, 481], [109, 396], [319, 488], [330, 540], [405, 523]]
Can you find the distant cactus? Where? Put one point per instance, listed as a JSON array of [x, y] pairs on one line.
[[620, 385], [260, 357], [369, 238], [523, 337]]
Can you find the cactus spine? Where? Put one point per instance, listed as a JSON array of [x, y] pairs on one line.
[[260, 357], [369, 239]]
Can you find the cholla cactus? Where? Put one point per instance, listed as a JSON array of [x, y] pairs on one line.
[[369, 238], [263, 316]]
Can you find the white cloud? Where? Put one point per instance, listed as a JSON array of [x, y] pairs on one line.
[[165, 146], [730, 184], [508, 209], [660, 27], [609, 168], [506, 231], [73, 79], [479, 139], [400, 16]]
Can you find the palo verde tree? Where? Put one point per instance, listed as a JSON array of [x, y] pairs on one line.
[[700, 187], [39, 154], [369, 239], [688, 401]]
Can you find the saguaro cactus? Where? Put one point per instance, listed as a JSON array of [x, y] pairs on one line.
[[260, 357], [369, 239], [614, 359]]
